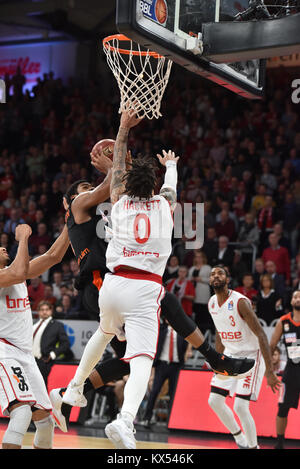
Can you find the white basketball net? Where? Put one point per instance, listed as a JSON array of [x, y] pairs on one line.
[[142, 76]]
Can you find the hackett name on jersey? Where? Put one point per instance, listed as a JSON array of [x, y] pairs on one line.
[[17, 303]]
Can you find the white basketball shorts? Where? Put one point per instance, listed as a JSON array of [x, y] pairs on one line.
[[248, 386], [20, 379], [130, 309]]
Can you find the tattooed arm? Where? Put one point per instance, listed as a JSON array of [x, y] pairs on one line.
[[168, 189], [117, 185]]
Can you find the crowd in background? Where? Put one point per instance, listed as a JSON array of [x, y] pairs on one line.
[[240, 158]]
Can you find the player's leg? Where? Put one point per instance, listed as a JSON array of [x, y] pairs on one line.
[[242, 410], [19, 420], [44, 424], [91, 356], [288, 398], [217, 401], [185, 326]]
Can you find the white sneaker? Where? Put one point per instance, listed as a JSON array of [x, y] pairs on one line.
[[56, 401], [74, 395], [121, 433]]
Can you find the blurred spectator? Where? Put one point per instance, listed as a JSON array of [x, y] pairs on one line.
[[199, 274], [224, 253], [268, 302], [57, 282], [183, 289], [13, 220], [36, 292], [48, 294], [279, 255], [66, 310], [41, 237], [278, 363], [278, 279], [210, 245], [226, 226], [246, 288], [171, 269], [259, 269], [238, 268]]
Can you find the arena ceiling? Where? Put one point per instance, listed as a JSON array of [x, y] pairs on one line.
[[24, 21]]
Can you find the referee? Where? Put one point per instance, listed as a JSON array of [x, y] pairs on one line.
[[288, 328]]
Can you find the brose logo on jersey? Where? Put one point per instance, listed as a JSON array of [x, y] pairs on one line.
[[17, 303], [237, 335]]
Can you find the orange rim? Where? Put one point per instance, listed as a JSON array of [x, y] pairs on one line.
[[121, 38]]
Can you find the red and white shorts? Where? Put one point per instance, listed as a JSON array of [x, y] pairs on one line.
[[248, 386], [130, 309], [20, 379]]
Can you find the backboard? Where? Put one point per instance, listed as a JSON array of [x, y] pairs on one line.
[[173, 28]]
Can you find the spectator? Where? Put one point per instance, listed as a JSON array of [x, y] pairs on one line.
[[278, 363], [279, 255], [210, 245], [41, 237], [278, 279], [258, 201], [268, 302], [48, 294], [226, 226], [224, 253], [50, 341], [246, 288], [57, 282], [36, 291], [14, 220], [238, 268], [183, 289], [172, 268], [248, 235], [66, 310], [258, 271], [199, 274]]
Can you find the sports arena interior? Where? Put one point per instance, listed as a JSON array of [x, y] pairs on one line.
[[239, 157]]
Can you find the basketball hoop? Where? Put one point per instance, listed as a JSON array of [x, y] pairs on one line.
[[142, 75]]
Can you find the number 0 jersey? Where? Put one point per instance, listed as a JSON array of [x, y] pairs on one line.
[[141, 234], [235, 334], [16, 317]]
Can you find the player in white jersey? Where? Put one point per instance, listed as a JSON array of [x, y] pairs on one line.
[[130, 296], [23, 394], [238, 334]]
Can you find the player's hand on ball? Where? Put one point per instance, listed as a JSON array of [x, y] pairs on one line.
[[100, 162], [22, 231], [170, 156]]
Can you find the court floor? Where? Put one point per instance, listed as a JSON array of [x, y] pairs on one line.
[[82, 437]]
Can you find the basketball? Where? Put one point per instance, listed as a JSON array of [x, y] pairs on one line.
[[105, 147], [161, 11]]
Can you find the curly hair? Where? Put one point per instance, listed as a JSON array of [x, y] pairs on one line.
[[140, 179]]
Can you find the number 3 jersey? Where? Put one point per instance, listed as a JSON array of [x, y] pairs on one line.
[[141, 234], [234, 332], [16, 316]]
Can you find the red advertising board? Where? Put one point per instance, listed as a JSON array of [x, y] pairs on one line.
[[190, 410]]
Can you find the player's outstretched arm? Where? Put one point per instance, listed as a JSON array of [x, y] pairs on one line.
[[53, 256], [117, 186], [87, 200], [169, 188], [276, 336], [17, 271], [251, 319]]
